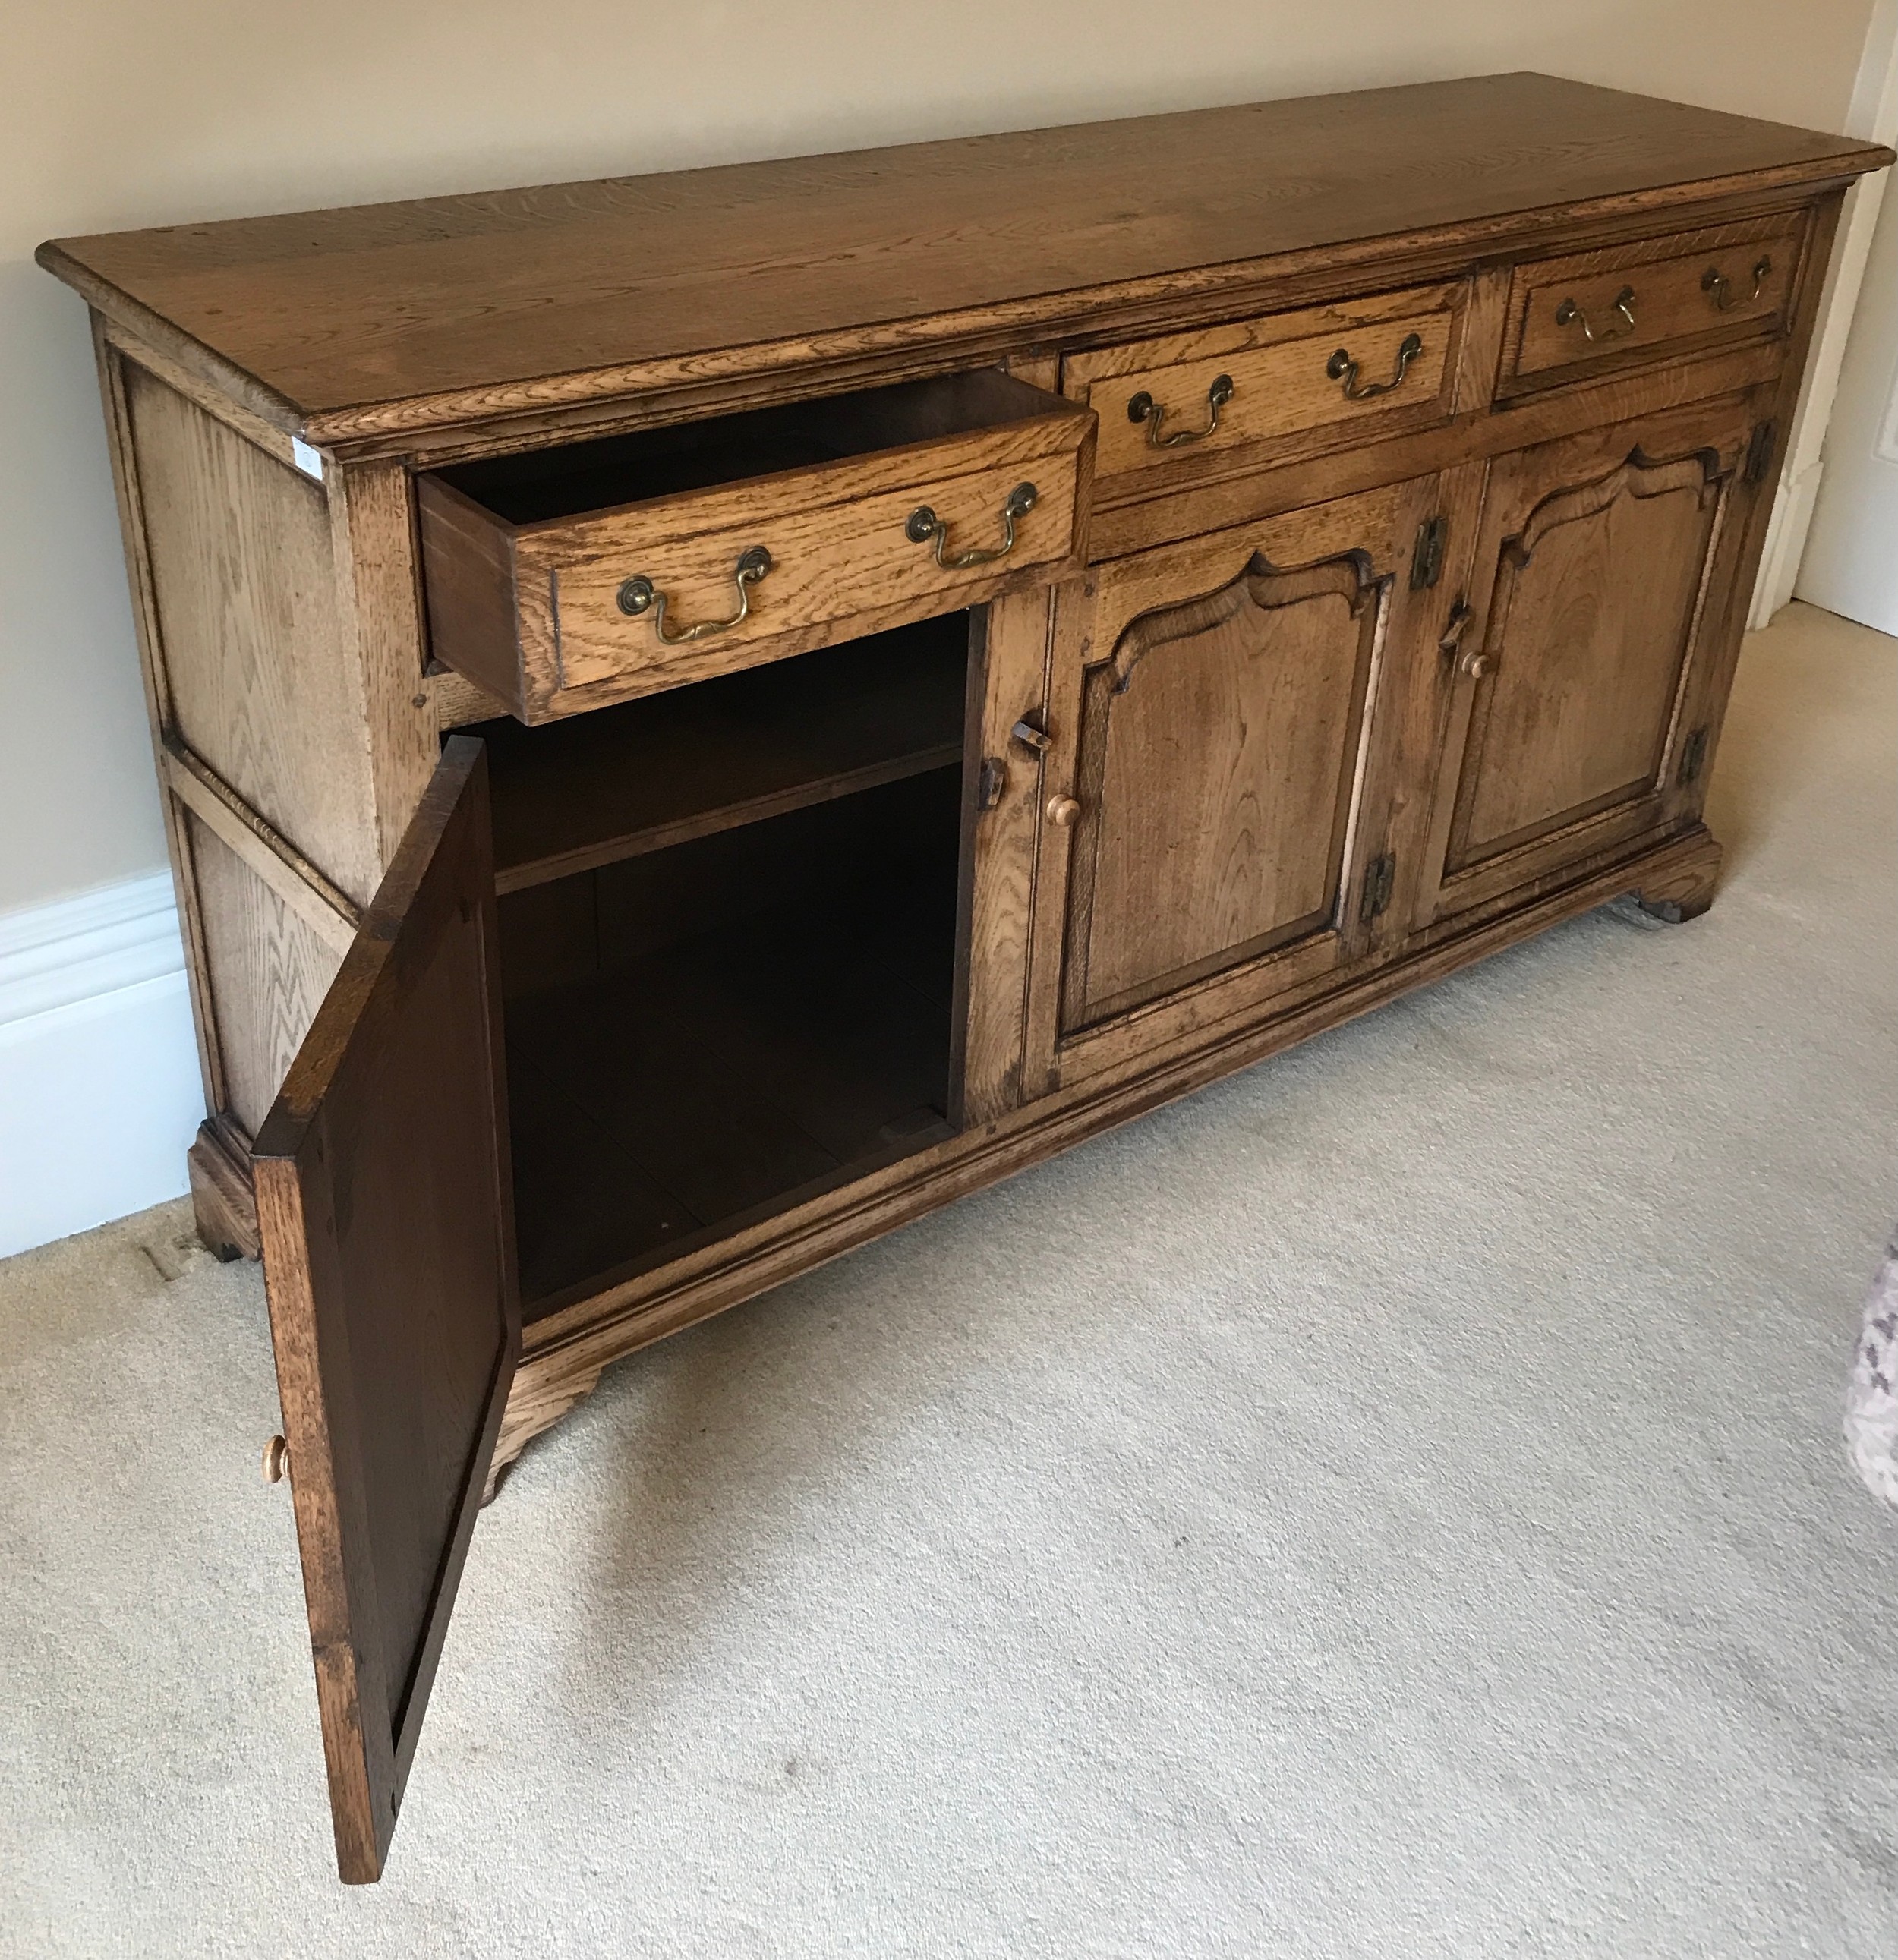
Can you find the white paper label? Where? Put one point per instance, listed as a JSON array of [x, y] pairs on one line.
[[309, 461]]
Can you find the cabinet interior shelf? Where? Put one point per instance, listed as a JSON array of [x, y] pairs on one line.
[[650, 774]]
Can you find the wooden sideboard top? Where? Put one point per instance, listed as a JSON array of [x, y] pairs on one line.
[[379, 320]]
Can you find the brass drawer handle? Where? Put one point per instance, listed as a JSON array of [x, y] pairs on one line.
[[1341, 367], [1569, 314], [1142, 408], [640, 596], [1714, 284], [925, 527]]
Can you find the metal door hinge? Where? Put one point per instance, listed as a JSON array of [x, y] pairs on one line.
[[991, 778], [1693, 756], [1426, 562], [1759, 451], [1380, 875]]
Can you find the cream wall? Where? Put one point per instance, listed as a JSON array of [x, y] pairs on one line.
[[119, 116]]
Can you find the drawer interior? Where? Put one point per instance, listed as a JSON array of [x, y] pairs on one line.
[[728, 947], [545, 485]]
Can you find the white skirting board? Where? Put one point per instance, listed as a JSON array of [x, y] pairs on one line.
[[100, 1092]]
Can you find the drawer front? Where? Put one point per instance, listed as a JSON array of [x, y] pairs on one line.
[[1628, 304], [1234, 396], [564, 614], [851, 556]]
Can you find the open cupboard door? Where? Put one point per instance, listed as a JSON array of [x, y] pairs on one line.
[[385, 1203]]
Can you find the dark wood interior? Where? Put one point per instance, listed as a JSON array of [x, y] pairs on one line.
[[705, 1029], [540, 486], [660, 771]]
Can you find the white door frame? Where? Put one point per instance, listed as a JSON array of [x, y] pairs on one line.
[[1874, 116]]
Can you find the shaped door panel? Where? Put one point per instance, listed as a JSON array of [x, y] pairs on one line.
[[1218, 788], [1603, 598]]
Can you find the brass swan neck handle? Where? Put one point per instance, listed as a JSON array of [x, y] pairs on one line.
[[1142, 408]]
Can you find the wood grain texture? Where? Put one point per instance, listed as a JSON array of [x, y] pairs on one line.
[[1220, 859], [833, 565], [529, 609], [328, 913], [275, 442], [156, 685], [268, 972], [1418, 693], [1008, 686], [1071, 638], [540, 1398], [1239, 687], [1590, 626], [457, 702], [1673, 313], [523, 299], [384, 1198], [378, 579], [1676, 893], [1340, 275], [1277, 365], [223, 1200], [1218, 501], [243, 580], [1595, 561], [1218, 754]]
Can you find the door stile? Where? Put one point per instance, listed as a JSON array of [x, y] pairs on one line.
[[385, 1203], [1001, 805]]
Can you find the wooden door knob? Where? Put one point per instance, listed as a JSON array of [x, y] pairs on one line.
[[1062, 811], [276, 1460], [1475, 664]]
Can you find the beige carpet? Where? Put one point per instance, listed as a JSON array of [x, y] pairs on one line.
[[1391, 1504]]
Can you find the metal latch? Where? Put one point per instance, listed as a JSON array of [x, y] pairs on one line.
[[1759, 451], [1380, 874], [1426, 562]]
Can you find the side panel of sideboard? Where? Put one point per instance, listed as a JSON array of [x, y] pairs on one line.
[[280, 644]]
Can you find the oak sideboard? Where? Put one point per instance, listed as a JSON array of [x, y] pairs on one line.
[[702, 715]]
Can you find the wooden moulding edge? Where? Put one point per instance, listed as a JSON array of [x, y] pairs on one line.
[[191, 354], [1042, 312], [328, 912], [223, 1196], [950, 334]]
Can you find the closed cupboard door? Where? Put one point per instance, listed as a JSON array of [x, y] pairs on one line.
[[386, 1209], [1586, 657], [1215, 793]]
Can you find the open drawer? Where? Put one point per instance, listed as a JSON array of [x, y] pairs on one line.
[[569, 578]]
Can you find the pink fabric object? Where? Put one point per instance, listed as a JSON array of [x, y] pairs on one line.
[[1871, 1402]]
